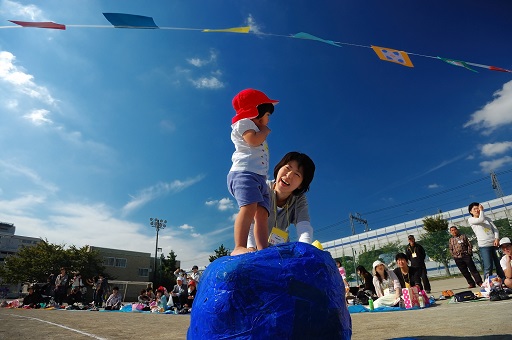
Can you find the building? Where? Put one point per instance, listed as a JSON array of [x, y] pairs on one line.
[[129, 270], [353, 245], [9, 245]]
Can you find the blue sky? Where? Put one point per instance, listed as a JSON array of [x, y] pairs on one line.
[[103, 128]]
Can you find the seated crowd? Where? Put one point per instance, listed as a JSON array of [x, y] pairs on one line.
[[60, 290]]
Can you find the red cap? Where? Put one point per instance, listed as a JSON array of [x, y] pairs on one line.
[[246, 101]]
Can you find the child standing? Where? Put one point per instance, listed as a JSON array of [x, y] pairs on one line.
[[248, 173]]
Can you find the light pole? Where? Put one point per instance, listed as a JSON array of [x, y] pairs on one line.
[[157, 224]]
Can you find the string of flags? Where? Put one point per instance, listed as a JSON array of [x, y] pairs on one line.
[[131, 21]]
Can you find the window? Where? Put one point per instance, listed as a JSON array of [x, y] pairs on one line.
[[121, 263], [144, 272], [109, 261]]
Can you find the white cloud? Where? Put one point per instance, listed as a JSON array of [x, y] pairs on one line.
[[20, 11], [255, 27], [223, 204], [38, 117], [13, 169], [96, 224], [492, 149], [207, 83], [148, 194], [197, 62], [494, 114], [495, 164], [433, 186], [20, 81]]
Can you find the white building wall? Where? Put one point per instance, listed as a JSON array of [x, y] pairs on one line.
[[347, 246]]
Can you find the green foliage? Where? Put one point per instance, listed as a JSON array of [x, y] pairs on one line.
[[386, 254], [436, 240], [435, 223], [36, 263], [166, 271], [219, 252], [505, 227], [348, 263]]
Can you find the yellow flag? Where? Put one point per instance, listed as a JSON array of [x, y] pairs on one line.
[[244, 29]]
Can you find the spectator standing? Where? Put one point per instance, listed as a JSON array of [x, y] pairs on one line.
[[506, 261], [78, 283], [343, 274], [61, 286], [195, 274], [462, 253], [416, 255], [180, 273], [488, 239]]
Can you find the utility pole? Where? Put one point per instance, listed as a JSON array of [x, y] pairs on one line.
[[496, 185], [358, 219]]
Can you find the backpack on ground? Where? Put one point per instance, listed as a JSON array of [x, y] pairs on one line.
[[466, 295]]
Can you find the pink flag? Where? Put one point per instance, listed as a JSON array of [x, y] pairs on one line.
[[39, 24]]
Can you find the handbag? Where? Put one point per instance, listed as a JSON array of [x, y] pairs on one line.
[[466, 295]]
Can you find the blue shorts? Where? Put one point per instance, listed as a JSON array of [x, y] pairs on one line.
[[248, 188]]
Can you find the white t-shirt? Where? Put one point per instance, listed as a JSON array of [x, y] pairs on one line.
[[485, 231], [503, 262], [246, 157]]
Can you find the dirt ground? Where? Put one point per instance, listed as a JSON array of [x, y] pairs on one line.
[[473, 320]]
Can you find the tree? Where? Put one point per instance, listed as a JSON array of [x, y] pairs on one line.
[[167, 268], [385, 254], [504, 225], [219, 252], [436, 240], [36, 263]]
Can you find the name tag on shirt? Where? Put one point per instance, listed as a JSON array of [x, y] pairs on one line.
[[277, 236]]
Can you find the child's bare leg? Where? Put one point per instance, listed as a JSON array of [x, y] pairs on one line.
[[242, 224], [261, 228]]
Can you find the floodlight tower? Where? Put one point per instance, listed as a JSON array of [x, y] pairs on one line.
[[157, 224]]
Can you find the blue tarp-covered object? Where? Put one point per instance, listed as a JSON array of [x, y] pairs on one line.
[[289, 291]]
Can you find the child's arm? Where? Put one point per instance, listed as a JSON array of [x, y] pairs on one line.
[[255, 138]]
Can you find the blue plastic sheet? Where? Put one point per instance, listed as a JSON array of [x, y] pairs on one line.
[[289, 291]]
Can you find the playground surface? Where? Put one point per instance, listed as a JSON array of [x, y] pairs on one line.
[[482, 319]]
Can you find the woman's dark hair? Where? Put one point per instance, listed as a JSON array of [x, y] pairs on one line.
[[474, 204], [304, 162], [362, 270], [142, 292], [385, 275], [264, 108], [338, 261]]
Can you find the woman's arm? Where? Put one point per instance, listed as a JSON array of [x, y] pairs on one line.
[[305, 232]]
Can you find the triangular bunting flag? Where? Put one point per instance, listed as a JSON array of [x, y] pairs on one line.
[[308, 36], [120, 20], [457, 63], [244, 29], [39, 24]]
